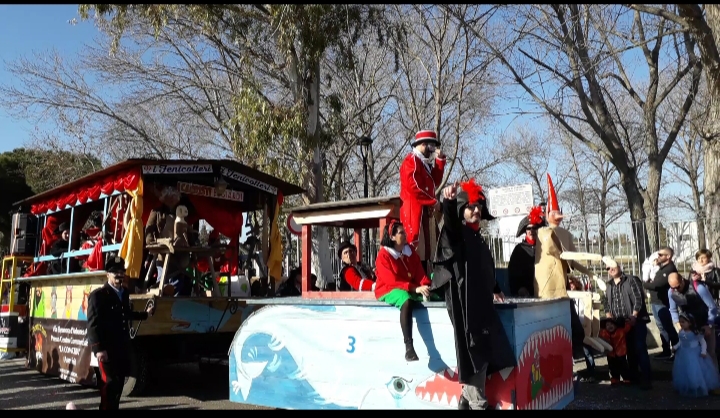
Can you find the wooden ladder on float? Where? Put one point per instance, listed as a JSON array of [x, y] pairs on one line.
[[10, 313]]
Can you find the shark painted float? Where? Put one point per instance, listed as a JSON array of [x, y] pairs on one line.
[[317, 355]]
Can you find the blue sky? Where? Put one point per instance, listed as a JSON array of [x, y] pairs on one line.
[[27, 28]]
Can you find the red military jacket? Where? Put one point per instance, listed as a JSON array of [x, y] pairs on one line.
[[417, 189]]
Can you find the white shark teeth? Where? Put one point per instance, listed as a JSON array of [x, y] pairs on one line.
[[444, 399], [435, 398], [426, 397], [454, 401], [421, 384], [506, 372], [549, 399]]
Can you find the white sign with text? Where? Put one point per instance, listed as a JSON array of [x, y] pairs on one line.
[[177, 169], [510, 201], [207, 191], [242, 178]]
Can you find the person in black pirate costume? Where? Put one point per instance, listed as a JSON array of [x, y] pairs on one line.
[[465, 269], [108, 332], [521, 267]]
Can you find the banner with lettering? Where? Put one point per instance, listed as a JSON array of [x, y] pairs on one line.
[[59, 347]]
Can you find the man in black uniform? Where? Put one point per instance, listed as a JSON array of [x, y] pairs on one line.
[[108, 332]]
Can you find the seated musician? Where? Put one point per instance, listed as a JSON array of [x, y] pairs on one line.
[[354, 275], [293, 285], [58, 248], [155, 228], [91, 235]]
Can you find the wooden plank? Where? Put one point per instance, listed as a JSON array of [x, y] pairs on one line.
[[100, 275], [265, 235], [306, 242], [339, 295], [77, 253], [358, 243], [343, 215], [176, 316]]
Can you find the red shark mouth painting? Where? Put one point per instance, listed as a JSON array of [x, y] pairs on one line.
[[542, 378], [545, 368], [441, 389]]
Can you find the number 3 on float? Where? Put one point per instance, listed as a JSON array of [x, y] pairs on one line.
[[351, 345]]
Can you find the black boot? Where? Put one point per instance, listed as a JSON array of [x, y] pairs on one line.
[[410, 354], [463, 403]]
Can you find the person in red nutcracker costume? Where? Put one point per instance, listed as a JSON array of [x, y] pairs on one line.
[[421, 172]]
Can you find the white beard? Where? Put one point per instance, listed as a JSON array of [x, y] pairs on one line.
[[429, 161]]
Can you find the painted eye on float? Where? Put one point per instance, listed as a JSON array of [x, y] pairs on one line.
[[398, 387]]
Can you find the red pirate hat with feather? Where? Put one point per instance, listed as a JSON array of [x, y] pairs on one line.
[[533, 219], [472, 194]]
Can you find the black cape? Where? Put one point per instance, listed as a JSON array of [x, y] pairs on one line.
[[469, 283], [521, 269]]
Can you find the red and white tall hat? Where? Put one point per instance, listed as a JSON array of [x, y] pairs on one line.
[[552, 197], [425, 136]]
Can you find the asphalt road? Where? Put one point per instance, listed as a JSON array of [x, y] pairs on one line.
[[601, 395], [184, 388]]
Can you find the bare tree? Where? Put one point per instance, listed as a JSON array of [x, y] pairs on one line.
[[446, 83], [578, 190], [531, 152], [595, 188], [686, 159], [569, 56], [703, 23]]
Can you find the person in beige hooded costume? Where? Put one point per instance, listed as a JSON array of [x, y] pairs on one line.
[[552, 275], [555, 239]]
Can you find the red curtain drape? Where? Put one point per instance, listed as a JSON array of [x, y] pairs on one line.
[[118, 182], [47, 238], [225, 218]]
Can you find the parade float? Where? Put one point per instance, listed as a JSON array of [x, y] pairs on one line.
[[45, 311], [343, 350]]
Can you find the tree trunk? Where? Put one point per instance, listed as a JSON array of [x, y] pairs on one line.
[[637, 217], [650, 205], [603, 237], [699, 215], [321, 262], [711, 155], [711, 148]]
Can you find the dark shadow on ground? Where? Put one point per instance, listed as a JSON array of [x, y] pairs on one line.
[[158, 408], [187, 380]]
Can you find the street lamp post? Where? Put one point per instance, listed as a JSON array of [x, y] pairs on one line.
[[365, 144]]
